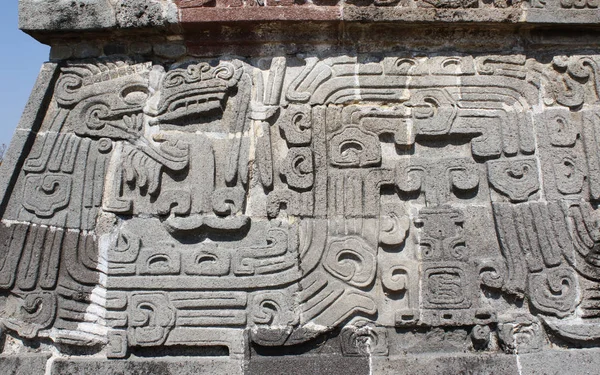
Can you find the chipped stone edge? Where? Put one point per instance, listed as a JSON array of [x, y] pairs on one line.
[[44, 19], [25, 134]]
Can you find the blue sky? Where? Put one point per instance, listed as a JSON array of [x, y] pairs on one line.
[[20, 62]]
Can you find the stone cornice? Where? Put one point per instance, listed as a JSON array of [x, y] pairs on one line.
[[47, 19]]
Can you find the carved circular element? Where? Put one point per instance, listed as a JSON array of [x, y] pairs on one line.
[[393, 227], [95, 115], [225, 71], [364, 339], [554, 292], [105, 145], [352, 260], [395, 278], [480, 335], [67, 89]]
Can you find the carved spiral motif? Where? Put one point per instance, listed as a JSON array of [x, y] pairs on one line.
[[47, 194], [272, 314], [194, 72], [174, 79], [554, 291], [151, 318], [363, 340], [296, 125], [35, 312], [568, 88], [67, 89], [351, 260], [270, 308], [178, 77], [104, 145], [302, 163], [459, 251], [298, 168], [581, 68], [225, 71], [95, 115], [492, 274], [393, 227], [395, 278], [301, 121]]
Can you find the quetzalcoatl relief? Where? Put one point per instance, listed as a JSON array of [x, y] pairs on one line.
[[196, 202], [375, 204]]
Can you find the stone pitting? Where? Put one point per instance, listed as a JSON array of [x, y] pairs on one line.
[[351, 207]]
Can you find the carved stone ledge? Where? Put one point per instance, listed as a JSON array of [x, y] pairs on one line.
[[44, 19], [363, 188], [556, 361]]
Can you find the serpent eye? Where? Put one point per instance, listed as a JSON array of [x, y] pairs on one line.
[[135, 95]]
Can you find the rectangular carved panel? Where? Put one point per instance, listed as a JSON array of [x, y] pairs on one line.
[[378, 202]]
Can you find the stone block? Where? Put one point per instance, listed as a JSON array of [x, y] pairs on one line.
[[145, 13], [170, 50], [61, 52], [24, 364], [115, 49], [86, 51], [141, 48], [297, 365], [360, 187], [158, 366], [450, 363], [555, 362], [37, 15]]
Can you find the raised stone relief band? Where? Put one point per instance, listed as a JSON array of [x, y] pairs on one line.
[[431, 199]]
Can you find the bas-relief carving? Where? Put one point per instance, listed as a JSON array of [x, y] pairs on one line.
[[228, 202], [442, 4]]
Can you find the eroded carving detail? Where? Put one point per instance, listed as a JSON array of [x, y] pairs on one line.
[[215, 202]]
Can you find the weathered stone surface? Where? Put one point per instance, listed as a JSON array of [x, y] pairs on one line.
[[308, 187], [165, 366], [170, 50], [554, 362], [66, 14], [25, 133], [145, 13], [24, 364], [456, 363], [295, 365]]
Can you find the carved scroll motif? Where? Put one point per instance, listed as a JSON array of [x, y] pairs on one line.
[[270, 201]]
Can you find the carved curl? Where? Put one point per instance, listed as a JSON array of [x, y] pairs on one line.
[[352, 260]]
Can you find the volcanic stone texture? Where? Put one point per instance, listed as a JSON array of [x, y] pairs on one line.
[[289, 187]]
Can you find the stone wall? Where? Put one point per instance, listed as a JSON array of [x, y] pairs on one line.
[[387, 187]]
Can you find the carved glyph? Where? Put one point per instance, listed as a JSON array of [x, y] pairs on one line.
[[232, 202]]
